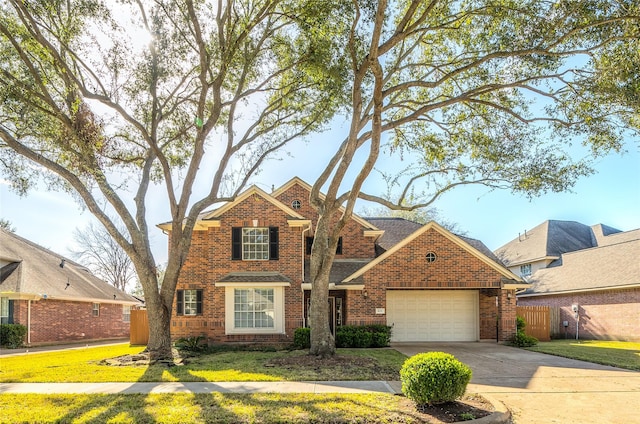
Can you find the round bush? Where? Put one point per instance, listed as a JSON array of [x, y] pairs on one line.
[[434, 377]]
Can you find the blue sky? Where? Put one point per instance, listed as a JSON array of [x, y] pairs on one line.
[[611, 196]]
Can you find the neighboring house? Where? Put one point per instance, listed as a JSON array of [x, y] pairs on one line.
[[592, 274], [246, 278], [57, 299]]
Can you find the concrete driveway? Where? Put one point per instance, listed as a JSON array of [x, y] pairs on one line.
[[540, 388]]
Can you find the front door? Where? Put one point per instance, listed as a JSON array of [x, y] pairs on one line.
[[335, 316]]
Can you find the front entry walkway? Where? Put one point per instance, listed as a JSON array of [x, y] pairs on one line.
[[540, 388]]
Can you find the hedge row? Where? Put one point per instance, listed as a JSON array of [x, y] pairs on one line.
[[349, 336], [12, 335]]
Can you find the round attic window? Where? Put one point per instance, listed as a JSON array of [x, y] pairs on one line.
[[431, 257], [296, 204]]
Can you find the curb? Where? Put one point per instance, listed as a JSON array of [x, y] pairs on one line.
[[501, 415]]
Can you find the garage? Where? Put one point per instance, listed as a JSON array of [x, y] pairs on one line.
[[433, 315]]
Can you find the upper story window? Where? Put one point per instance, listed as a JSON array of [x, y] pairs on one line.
[[96, 310], [254, 243], [296, 204], [525, 270]]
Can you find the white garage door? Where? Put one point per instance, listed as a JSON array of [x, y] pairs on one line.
[[433, 315]]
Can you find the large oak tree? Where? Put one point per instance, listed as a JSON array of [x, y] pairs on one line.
[[474, 91], [108, 99], [485, 92]]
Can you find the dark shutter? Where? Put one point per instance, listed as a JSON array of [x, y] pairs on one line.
[[198, 302], [339, 248], [180, 303], [10, 319], [236, 243], [309, 241], [273, 243]]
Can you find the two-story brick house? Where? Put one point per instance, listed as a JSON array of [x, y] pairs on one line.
[[246, 276]]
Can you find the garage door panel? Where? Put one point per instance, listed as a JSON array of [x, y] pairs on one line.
[[427, 315]]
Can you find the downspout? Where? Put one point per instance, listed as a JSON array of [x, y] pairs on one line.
[[29, 322], [303, 244]]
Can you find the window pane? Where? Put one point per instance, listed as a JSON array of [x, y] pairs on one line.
[[255, 243], [254, 308], [190, 302]]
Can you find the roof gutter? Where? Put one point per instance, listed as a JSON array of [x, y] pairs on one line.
[[593, 289], [44, 296]]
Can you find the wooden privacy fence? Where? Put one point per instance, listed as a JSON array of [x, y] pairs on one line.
[[139, 327], [538, 320]]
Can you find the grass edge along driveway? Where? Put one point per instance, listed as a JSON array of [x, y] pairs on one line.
[[614, 353]]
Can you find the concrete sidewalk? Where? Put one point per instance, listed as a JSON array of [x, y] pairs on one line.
[[203, 387]]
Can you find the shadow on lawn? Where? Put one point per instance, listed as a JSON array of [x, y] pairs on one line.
[[152, 408]]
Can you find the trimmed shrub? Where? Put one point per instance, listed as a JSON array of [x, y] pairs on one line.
[[349, 336], [12, 335], [302, 338], [364, 336], [434, 377]]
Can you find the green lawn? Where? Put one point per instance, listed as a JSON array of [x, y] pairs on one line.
[[83, 365], [618, 354], [208, 408]]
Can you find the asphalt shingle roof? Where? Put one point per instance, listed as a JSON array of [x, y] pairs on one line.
[[550, 239], [30, 269], [341, 269], [609, 266]]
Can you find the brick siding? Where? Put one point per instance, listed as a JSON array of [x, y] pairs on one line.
[[604, 315], [54, 321], [210, 259]]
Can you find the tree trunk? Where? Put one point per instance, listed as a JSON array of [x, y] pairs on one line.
[[159, 345], [322, 341]]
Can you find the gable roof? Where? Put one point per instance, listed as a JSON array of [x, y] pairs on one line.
[[548, 240], [30, 271], [610, 266], [297, 181], [253, 190], [210, 218], [463, 243], [395, 230]]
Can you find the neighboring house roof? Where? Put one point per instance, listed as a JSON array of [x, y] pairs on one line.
[[549, 240], [30, 271], [611, 266]]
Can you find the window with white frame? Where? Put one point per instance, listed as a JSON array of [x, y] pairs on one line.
[[4, 310], [255, 244], [126, 313], [254, 308], [189, 302], [525, 270], [96, 310]]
